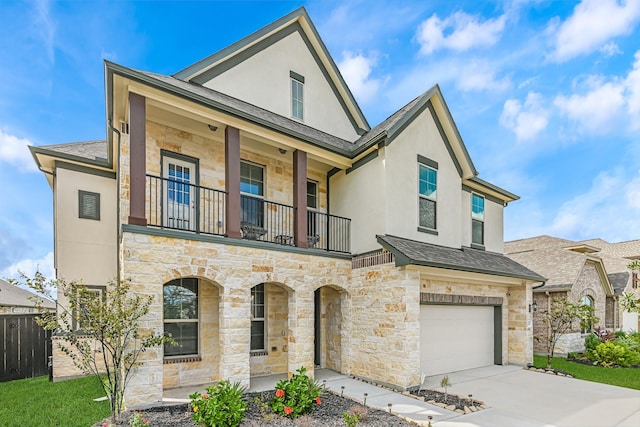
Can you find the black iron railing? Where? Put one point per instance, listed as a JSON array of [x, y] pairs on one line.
[[181, 206]]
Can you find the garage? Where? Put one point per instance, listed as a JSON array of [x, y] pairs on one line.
[[456, 337]]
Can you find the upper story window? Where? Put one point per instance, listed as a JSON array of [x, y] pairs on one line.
[[88, 205], [251, 203], [427, 196], [312, 194], [477, 219], [181, 316], [297, 95]]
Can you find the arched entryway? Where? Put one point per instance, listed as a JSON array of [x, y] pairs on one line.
[[191, 315], [328, 327]]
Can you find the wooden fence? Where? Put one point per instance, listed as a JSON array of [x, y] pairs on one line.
[[25, 347]]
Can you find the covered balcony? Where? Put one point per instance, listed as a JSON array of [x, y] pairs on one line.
[[175, 204]]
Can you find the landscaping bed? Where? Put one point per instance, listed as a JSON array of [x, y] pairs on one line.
[[329, 413], [451, 402]]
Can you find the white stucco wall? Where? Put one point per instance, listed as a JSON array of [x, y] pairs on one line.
[[401, 172], [630, 321], [85, 248], [264, 80], [360, 195]]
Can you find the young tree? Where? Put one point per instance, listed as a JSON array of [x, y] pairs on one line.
[[630, 301], [99, 331], [560, 317]]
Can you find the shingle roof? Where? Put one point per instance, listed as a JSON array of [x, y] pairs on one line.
[[92, 150], [14, 296], [619, 281], [560, 266], [628, 249], [465, 259]]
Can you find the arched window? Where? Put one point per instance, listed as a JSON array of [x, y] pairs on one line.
[[181, 316], [588, 301]]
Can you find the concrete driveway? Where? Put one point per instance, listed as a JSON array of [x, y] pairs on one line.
[[520, 398]]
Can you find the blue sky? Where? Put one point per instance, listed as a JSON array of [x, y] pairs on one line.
[[546, 94]]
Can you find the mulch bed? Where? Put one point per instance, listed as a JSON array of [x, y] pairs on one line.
[[328, 414]]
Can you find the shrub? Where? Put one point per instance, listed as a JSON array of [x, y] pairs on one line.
[[591, 341], [221, 406], [608, 354], [297, 396], [620, 334], [351, 420], [629, 343], [137, 420]]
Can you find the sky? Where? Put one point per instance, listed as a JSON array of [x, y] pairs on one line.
[[546, 94]]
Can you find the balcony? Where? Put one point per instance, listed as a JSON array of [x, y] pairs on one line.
[[176, 205]]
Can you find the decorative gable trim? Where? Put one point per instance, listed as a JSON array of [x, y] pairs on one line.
[[297, 21]]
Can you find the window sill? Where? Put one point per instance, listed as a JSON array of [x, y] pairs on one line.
[[477, 246], [428, 230], [181, 359], [259, 353]]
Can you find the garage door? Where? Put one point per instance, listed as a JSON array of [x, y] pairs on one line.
[[454, 338]]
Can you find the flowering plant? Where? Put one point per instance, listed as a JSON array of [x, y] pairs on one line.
[[297, 396], [137, 420], [221, 405]]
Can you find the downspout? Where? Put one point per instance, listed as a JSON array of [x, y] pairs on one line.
[[548, 323], [118, 228]]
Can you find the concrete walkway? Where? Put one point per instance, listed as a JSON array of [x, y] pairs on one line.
[[515, 398]]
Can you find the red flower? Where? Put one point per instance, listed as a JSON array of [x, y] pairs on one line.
[[287, 410], [279, 393], [318, 401], [205, 396]]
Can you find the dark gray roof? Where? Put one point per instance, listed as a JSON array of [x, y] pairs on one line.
[[242, 109], [465, 259], [618, 282], [92, 150]]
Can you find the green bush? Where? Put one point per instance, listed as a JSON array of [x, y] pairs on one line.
[[591, 341], [221, 406], [608, 354], [297, 396], [629, 343], [620, 334]]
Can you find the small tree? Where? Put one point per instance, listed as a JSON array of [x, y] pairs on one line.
[[559, 318], [630, 301], [99, 332], [445, 383]]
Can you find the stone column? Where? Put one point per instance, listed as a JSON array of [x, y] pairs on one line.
[[301, 335], [235, 333], [137, 159], [232, 180]]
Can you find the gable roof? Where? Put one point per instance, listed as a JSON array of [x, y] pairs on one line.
[[296, 21], [408, 251], [13, 296], [556, 259]]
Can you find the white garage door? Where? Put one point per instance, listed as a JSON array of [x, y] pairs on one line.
[[455, 337]]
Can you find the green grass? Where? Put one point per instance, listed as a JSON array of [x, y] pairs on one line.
[[623, 377], [37, 402]]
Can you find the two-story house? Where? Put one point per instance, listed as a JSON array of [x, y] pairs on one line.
[[276, 229]]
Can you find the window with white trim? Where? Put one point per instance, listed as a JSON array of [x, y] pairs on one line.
[[588, 301], [477, 219], [85, 306], [258, 308], [312, 215], [252, 189], [297, 96], [180, 303], [427, 196]]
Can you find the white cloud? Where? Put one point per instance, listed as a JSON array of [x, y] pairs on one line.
[[527, 120], [45, 28], [599, 109], [592, 24], [613, 195], [29, 267], [611, 49], [633, 93], [15, 151], [481, 76], [356, 70], [459, 31]]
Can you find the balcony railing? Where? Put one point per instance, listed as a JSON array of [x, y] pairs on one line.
[[183, 206]]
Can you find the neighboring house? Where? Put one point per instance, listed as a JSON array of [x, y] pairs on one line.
[[276, 229], [581, 272], [15, 300]]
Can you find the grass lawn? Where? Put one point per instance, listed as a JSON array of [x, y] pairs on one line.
[[37, 402], [623, 377]]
